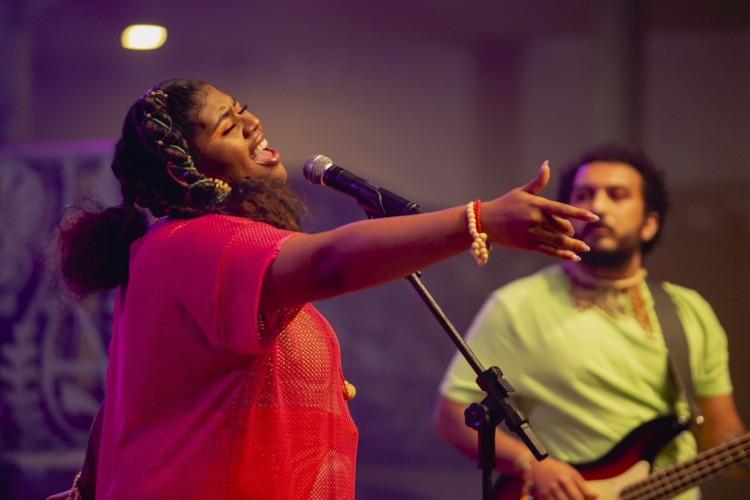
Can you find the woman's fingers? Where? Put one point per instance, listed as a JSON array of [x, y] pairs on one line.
[[558, 224], [542, 178], [522, 219], [559, 240], [557, 252], [559, 245], [567, 211]]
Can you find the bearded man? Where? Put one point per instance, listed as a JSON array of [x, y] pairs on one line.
[[585, 346]]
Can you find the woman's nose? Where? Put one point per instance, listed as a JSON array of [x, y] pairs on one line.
[[249, 125]]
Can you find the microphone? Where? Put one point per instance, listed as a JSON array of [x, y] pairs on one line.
[[376, 201]]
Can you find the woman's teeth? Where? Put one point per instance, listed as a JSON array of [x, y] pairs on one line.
[[263, 145]]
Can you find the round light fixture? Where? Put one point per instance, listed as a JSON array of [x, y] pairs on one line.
[[143, 37]]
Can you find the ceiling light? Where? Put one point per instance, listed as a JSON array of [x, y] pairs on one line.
[[144, 37]]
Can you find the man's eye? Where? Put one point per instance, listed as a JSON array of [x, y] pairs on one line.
[[242, 109], [619, 194], [579, 196], [228, 130]]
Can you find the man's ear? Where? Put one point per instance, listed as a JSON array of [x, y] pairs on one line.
[[650, 227]]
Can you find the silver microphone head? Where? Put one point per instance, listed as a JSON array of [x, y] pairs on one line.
[[314, 168]]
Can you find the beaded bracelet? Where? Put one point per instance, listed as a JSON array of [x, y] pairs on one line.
[[480, 250]]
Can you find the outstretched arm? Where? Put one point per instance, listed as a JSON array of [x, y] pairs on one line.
[[371, 252]]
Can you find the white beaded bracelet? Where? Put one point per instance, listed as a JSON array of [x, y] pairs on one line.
[[480, 250]]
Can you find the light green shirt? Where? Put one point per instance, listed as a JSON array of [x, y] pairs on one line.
[[583, 378]]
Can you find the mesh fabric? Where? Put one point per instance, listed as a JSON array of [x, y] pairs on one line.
[[206, 398]]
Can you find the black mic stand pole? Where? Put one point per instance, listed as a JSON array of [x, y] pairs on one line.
[[484, 417]]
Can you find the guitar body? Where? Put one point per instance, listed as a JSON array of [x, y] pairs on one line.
[[626, 463]]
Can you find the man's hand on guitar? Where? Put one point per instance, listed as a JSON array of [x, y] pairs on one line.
[[559, 481]]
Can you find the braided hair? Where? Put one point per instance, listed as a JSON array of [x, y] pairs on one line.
[[154, 152], [159, 170]]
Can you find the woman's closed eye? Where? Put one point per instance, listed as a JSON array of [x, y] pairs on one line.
[[229, 129]]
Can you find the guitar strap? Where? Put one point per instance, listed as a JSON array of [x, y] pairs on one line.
[[677, 347]]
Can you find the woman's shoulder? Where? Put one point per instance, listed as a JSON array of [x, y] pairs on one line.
[[210, 228], [214, 225], [216, 229]]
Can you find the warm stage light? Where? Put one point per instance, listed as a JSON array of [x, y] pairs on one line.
[[144, 37]]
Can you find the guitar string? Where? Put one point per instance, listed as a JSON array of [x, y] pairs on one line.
[[707, 465]]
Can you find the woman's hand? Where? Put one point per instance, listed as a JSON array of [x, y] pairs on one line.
[[521, 219], [59, 496]]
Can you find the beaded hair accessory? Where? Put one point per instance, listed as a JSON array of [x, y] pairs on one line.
[[157, 133]]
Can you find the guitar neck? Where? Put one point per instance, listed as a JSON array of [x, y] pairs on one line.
[[677, 478]]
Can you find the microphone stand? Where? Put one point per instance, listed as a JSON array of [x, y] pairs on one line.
[[497, 406], [484, 417]]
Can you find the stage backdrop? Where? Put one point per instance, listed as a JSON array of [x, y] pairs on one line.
[[52, 348]]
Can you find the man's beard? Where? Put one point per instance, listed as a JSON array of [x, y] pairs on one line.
[[611, 259]]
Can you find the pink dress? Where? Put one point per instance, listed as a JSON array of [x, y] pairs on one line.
[[205, 397]]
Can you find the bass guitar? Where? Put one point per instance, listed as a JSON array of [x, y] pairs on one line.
[[624, 472]]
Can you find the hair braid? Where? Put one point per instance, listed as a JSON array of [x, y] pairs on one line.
[[155, 128], [93, 246]]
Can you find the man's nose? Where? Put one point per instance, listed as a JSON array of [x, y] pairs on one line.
[[600, 202]]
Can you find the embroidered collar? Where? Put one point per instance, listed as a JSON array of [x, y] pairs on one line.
[[618, 299]]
